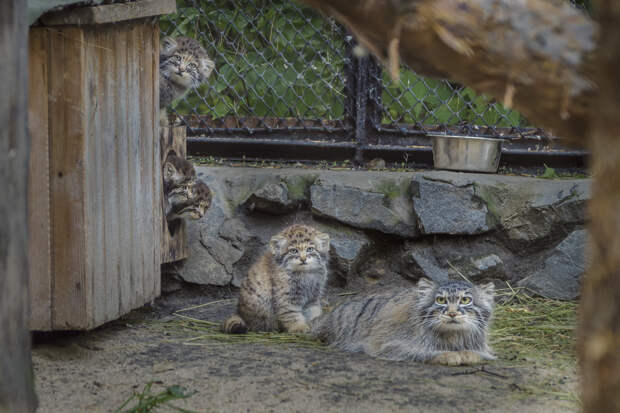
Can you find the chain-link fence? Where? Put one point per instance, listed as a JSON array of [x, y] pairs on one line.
[[285, 72]]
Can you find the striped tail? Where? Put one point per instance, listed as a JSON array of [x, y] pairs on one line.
[[234, 325]]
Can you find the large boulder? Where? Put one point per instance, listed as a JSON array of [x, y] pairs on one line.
[[449, 206], [560, 275], [381, 204], [532, 212]]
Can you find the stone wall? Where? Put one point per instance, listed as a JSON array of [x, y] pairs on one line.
[[390, 226]]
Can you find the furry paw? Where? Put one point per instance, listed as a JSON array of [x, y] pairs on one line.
[[298, 328], [457, 358], [312, 312]]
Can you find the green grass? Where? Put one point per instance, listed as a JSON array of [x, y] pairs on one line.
[[146, 401], [527, 327], [196, 332]]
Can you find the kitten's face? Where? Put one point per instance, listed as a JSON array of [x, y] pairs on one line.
[[177, 171], [184, 62], [190, 200], [455, 306], [300, 248]]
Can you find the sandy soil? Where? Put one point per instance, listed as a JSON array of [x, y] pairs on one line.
[[98, 370]]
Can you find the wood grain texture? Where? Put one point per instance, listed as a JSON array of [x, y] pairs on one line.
[[175, 245], [68, 129], [39, 230], [16, 378], [105, 172], [109, 13]]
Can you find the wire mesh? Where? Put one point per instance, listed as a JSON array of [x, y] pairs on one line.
[[280, 66]]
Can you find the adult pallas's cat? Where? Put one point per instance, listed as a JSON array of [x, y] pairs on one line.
[[437, 323], [283, 289]]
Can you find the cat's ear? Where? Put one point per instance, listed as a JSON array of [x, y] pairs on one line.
[[169, 171], [425, 286], [322, 242], [277, 245], [487, 289], [206, 66], [167, 45]]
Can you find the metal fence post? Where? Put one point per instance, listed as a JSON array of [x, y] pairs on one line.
[[356, 92]]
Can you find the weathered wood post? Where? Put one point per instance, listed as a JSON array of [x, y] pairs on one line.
[[174, 244], [16, 378]]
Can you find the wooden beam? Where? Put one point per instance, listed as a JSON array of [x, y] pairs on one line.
[[109, 13], [16, 377]]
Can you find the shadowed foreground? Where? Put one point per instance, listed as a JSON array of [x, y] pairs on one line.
[[98, 371]]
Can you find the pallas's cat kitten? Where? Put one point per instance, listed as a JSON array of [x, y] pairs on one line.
[[283, 289], [437, 323], [183, 64]]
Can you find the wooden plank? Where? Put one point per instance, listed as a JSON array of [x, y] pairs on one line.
[[150, 159], [109, 13], [108, 134], [175, 245], [16, 379], [70, 305], [39, 231], [135, 197], [126, 130], [157, 181], [95, 177]]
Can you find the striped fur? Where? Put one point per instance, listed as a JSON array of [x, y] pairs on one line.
[[446, 324], [283, 289], [183, 65]]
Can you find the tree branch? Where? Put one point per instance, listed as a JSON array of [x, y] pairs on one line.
[[534, 55]]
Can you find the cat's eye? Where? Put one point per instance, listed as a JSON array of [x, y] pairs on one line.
[[192, 65], [440, 300], [465, 300], [176, 57], [309, 249], [293, 251]]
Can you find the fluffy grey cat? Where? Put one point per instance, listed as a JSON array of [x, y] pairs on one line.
[[444, 324], [183, 64]]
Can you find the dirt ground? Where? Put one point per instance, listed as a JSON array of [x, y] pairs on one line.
[[98, 370]]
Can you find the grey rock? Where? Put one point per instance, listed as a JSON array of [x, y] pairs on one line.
[[480, 267], [420, 261], [363, 208], [235, 231], [560, 276], [347, 252], [201, 267], [272, 199], [534, 212], [445, 207]]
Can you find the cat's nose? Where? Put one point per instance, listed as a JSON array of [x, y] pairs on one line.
[[452, 314], [302, 258]]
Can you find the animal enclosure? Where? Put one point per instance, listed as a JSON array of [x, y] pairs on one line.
[[95, 188], [289, 84]]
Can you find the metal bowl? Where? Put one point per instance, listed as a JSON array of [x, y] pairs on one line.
[[466, 153]]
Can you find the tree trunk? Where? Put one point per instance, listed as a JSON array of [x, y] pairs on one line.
[[599, 342], [16, 378], [534, 55]]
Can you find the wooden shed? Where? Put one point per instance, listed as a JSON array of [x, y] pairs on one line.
[[95, 186]]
